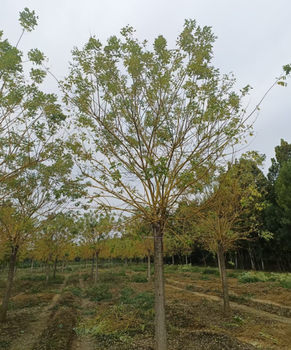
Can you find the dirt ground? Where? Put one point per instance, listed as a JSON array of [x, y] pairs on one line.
[[67, 317]]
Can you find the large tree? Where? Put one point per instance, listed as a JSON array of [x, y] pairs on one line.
[[150, 126]]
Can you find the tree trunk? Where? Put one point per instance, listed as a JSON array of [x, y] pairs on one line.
[[160, 314], [223, 276], [173, 259], [92, 267], [48, 269], [149, 266], [63, 264], [31, 267], [186, 259], [96, 269], [125, 261], [55, 267], [235, 261], [252, 258], [5, 302]]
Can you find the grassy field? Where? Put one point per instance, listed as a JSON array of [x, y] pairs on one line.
[[118, 312]]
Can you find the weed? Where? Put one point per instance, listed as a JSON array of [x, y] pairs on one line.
[[248, 277], [99, 292], [204, 278], [210, 271], [139, 278]]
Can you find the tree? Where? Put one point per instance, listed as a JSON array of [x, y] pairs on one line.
[[35, 168], [150, 126], [95, 231], [232, 218]]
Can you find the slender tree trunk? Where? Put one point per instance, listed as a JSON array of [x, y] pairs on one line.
[[235, 261], [48, 268], [92, 267], [173, 259], [186, 259], [252, 258], [149, 266], [31, 267], [55, 267], [160, 312], [96, 269], [223, 276], [63, 264], [125, 261], [5, 302]]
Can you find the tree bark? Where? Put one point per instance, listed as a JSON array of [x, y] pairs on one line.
[[223, 276], [5, 302], [92, 267], [160, 312], [149, 266]]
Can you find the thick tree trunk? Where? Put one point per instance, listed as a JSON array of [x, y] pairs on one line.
[[160, 312], [5, 302], [149, 266], [92, 267], [223, 276], [96, 269], [55, 267]]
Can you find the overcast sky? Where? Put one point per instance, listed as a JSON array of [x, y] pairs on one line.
[[253, 42]]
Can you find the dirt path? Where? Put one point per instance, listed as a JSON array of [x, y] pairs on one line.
[[238, 306], [82, 341], [35, 329]]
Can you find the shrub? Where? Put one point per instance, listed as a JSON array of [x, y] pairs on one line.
[[139, 278], [99, 292], [210, 271], [248, 277]]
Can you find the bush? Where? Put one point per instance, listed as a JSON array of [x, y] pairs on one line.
[[99, 292], [248, 277], [143, 300], [139, 278], [210, 271], [36, 278]]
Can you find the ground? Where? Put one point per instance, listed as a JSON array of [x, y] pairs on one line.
[[72, 313]]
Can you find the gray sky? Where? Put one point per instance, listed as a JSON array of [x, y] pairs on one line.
[[253, 42]]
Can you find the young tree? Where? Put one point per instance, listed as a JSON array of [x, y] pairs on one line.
[[232, 215], [150, 125], [95, 231]]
